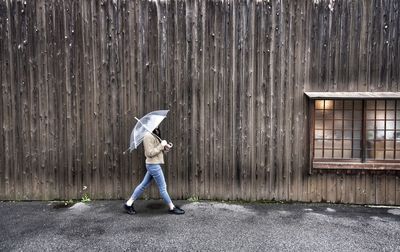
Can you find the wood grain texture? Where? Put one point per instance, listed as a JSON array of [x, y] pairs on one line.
[[232, 73]]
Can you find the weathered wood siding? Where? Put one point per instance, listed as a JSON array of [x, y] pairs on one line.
[[233, 73]]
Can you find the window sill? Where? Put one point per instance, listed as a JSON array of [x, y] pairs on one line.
[[355, 166]]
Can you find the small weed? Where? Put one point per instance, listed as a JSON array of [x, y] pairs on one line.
[[193, 199], [85, 196]]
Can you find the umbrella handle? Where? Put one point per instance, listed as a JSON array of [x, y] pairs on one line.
[[170, 145]]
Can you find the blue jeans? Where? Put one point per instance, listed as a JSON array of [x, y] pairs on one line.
[[153, 171]]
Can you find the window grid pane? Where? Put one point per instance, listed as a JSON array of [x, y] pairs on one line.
[[338, 128], [382, 129]]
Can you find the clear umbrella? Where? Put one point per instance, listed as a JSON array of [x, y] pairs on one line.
[[146, 124]]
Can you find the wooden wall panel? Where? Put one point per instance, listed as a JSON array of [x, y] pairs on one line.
[[232, 73]]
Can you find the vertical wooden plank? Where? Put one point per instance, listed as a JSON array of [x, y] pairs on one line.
[[150, 76], [360, 189], [245, 100], [213, 82], [207, 99], [380, 188], [117, 99], [75, 91], [123, 137], [51, 144], [271, 171], [14, 168], [291, 142], [128, 84], [143, 75], [68, 102], [227, 103], [180, 87], [258, 146], [289, 100], [281, 96], [195, 100], [3, 39], [282, 102], [34, 104], [235, 182], [267, 86], [190, 19], [396, 75], [252, 112], [6, 98], [203, 49], [370, 192], [54, 69], [131, 92], [114, 24], [90, 73], [185, 95], [42, 101], [158, 61], [212, 89], [363, 46], [87, 112], [218, 114], [243, 96], [115, 69], [16, 101], [22, 101], [297, 96], [108, 83], [97, 22]]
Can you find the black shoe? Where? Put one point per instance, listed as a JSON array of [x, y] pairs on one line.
[[129, 209], [176, 210]]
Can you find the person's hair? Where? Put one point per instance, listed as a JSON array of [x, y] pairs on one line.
[[157, 132]]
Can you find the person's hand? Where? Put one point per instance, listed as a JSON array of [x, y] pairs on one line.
[[166, 149], [164, 143]]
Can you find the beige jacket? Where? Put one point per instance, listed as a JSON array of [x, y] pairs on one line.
[[153, 150]]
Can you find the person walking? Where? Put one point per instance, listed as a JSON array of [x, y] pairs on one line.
[[154, 152]]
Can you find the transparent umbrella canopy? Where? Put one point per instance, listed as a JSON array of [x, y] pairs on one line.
[[146, 124]]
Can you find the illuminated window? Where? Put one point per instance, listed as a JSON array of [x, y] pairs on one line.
[[337, 130], [362, 131], [383, 130]]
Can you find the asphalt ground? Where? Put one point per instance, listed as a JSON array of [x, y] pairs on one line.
[[206, 226]]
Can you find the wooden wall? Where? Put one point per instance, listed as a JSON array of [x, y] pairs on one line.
[[233, 74]]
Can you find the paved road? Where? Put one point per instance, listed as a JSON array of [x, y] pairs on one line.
[[102, 225]]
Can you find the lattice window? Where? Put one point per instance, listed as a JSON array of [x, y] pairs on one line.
[[383, 129], [356, 130]]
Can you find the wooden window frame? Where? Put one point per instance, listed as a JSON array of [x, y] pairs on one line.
[[349, 164]]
